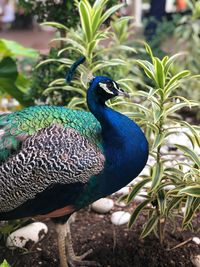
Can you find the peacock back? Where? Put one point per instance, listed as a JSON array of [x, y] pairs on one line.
[[16, 127]]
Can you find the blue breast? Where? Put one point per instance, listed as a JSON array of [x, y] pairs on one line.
[[126, 151]]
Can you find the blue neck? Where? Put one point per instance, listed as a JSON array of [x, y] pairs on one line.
[[124, 144]]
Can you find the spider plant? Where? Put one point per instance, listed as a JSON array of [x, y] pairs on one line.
[[97, 43], [173, 180]]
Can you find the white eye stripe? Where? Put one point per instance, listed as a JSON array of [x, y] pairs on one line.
[[105, 88], [115, 85]]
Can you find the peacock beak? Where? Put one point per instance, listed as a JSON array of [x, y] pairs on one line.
[[122, 93]]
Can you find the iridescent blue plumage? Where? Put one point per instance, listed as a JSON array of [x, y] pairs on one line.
[[72, 69], [41, 141]]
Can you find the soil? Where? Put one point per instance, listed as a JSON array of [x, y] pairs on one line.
[[113, 246]]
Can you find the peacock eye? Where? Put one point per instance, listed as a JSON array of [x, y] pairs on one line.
[[109, 85]]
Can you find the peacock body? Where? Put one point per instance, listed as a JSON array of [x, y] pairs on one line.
[[55, 161]]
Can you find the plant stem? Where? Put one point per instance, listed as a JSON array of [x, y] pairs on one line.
[[62, 35], [161, 230], [161, 221]]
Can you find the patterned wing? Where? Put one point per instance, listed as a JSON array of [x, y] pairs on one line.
[[54, 155], [17, 126]]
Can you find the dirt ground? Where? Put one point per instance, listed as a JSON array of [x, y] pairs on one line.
[[113, 246]]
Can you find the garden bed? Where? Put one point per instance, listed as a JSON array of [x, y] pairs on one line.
[[114, 246]]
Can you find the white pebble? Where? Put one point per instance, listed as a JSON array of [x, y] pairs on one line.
[[33, 232], [183, 209], [139, 198], [196, 240], [135, 181], [145, 171], [169, 187], [196, 260], [103, 205], [123, 191], [120, 217], [121, 204]]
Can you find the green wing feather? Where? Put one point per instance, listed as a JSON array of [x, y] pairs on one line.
[[17, 126]]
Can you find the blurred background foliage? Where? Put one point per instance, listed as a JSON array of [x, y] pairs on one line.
[[12, 80], [64, 12]]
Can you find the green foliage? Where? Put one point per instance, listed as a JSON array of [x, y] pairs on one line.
[[159, 119], [164, 30], [86, 41], [10, 227], [40, 79], [64, 12], [60, 11], [4, 264], [188, 35], [13, 49], [12, 81]]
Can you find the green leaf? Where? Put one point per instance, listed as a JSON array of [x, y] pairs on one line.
[[175, 107], [126, 48], [104, 64], [135, 115], [148, 72], [157, 175], [66, 88], [137, 211], [192, 204], [176, 78], [190, 153], [5, 264], [164, 60], [11, 48], [23, 83], [173, 203], [149, 51], [158, 139], [175, 171], [98, 3], [122, 198], [76, 102], [58, 82], [141, 107], [150, 225], [161, 201], [159, 73], [96, 17], [55, 24], [170, 61], [91, 47], [85, 17], [8, 69], [193, 131], [73, 42], [12, 83], [136, 189], [191, 190], [157, 112], [109, 12], [188, 205]]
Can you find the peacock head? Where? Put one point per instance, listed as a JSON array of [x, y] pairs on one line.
[[104, 88], [101, 88]]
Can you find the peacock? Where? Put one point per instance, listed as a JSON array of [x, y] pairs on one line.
[[55, 161]]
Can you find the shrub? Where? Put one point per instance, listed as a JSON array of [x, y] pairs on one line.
[[188, 35], [85, 41], [12, 80], [172, 186]]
